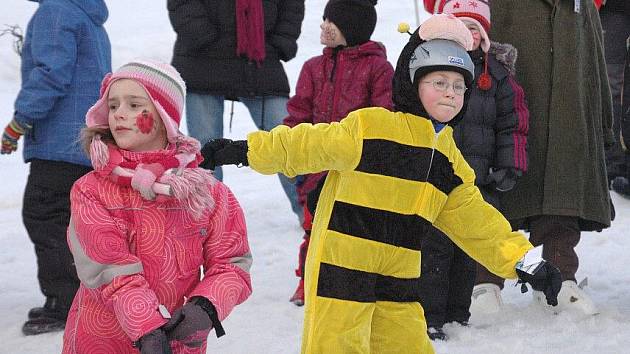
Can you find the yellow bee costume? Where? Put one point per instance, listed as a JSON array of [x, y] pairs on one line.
[[392, 178]]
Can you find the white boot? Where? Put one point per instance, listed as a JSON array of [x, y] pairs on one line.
[[571, 298], [486, 299]]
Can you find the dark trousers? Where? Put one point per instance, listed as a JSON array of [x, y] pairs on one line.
[[616, 26], [446, 280], [559, 236], [46, 213]]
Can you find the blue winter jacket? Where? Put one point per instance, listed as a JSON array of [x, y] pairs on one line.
[[66, 53]]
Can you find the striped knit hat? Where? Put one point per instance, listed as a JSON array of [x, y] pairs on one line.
[[163, 84], [476, 12]]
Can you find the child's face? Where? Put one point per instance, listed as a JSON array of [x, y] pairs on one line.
[[331, 36], [133, 119], [474, 30], [442, 94]]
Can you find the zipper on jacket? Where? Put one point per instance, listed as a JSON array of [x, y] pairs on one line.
[[436, 134], [335, 51], [334, 80]]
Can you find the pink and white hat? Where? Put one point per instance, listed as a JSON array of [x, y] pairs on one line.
[[476, 12], [163, 84]]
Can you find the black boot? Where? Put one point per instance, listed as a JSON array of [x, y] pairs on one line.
[[49, 318]]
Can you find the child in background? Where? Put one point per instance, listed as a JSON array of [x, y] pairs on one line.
[[352, 73], [146, 222], [492, 138], [394, 176], [66, 53]]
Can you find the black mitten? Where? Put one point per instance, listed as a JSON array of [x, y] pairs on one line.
[[504, 179], [219, 152], [154, 342], [191, 323], [543, 277]]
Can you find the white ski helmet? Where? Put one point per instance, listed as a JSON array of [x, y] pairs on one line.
[[441, 54]]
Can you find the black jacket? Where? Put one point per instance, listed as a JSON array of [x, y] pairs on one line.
[[622, 6], [493, 132], [205, 49]]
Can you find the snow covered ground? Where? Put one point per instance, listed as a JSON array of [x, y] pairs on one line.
[[267, 322]]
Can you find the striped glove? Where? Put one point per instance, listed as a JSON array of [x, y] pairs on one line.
[[11, 135]]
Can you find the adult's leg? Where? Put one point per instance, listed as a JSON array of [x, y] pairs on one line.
[[437, 255], [559, 236], [204, 119], [268, 112], [46, 213]]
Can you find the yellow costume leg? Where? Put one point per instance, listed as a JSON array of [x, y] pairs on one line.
[[338, 327], [399, 327]]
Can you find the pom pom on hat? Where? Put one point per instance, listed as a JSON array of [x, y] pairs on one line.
[[448, 27]]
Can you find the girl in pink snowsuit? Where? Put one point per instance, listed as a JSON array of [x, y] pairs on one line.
[[160, 245]]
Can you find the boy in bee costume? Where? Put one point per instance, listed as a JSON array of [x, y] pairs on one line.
[[393, 176]]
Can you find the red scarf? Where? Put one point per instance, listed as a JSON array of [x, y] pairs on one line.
[[250, 30]]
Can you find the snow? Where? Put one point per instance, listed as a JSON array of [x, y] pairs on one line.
[[267, 322]]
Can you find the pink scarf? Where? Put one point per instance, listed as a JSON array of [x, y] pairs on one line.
[[181, 178], [250, 30]]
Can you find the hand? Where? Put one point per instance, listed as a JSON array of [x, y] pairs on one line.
[[11, 135], [144, 177], [219, 152], [189, 324], [154, 342], [504, 179], [545, 277]]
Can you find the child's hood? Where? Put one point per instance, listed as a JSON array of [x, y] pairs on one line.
[[369, 48], [95, 9], [505, 54], [405, 94]]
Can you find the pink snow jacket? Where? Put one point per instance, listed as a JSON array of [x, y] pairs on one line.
[[336, 83], [136, 257]]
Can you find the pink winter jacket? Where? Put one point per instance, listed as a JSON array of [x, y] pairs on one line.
[[133, 255], [336, 83]]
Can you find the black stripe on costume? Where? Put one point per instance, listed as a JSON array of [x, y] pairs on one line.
[[389, 158], [355, 285], [378, 225]]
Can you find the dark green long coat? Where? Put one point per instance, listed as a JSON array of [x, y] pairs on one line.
[[562, 70]]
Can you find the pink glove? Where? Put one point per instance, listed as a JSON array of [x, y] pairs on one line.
[[144, 177]]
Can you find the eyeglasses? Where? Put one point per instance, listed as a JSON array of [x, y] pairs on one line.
[[459, 87]]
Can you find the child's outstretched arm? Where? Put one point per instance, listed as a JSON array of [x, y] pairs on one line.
[[292, 151], [227, 257], [485, 235], [106, 265]]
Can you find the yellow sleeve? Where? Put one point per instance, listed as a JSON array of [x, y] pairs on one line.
[[307, 148], [478, 228]]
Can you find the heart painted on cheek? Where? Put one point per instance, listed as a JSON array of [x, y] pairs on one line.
[[144, 122]]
